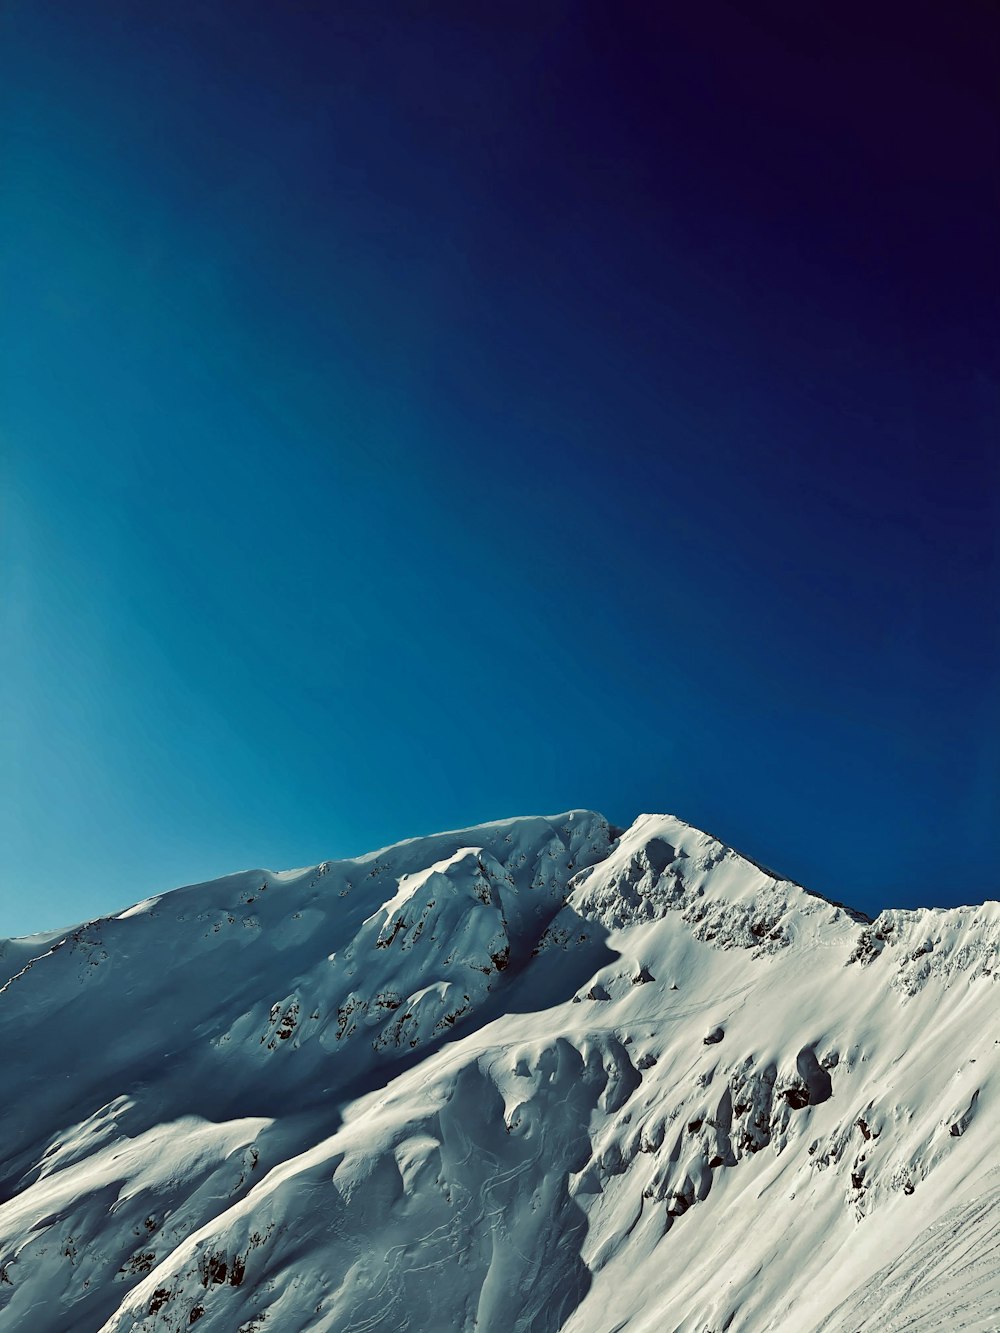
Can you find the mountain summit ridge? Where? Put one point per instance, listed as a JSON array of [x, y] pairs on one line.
[[555, 1061]]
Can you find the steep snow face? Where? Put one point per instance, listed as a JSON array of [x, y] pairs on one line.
[[536, 1075]]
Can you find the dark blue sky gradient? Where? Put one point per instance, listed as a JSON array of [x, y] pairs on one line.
[[421, 413]]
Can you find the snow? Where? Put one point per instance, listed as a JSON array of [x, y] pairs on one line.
[[540, 1074]]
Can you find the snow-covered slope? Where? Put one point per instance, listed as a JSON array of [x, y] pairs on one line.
[[540, 1074]]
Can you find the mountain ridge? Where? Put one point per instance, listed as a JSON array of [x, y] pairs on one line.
[[547, 1058], [54, 934]]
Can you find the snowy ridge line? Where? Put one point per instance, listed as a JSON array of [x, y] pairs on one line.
[[596, 1077], [31, 962], [324, 867]]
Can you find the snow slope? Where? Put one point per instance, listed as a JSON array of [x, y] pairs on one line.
[[540, 1074]]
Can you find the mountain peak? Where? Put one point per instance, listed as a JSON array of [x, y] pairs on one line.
[[663, 865], [561, 1062]]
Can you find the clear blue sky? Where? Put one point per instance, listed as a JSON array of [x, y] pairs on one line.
[[420, 413]]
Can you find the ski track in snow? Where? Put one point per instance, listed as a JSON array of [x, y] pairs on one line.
[[538, 1075], [948, 1279]]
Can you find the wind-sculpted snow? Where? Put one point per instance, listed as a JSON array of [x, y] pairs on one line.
[[537, 1075]]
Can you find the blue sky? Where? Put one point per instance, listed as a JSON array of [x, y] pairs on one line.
[[419, 414]]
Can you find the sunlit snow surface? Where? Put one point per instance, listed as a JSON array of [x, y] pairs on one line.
[[535, 1075]]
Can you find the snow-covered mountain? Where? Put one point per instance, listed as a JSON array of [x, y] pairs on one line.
[[540, 1074]]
